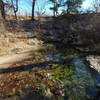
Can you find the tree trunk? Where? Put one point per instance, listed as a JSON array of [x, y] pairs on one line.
[[54, 11], [15, 8], [2, 9], [33, 9]]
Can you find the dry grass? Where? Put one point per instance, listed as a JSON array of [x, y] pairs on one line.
[[2, 27]]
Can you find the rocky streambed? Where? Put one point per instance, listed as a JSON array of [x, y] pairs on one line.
[[56, 74], [92, 72], [94, 63], [85, 81]]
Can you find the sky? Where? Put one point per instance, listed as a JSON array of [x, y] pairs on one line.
[[41, 5], [87, 4], [25, 6]]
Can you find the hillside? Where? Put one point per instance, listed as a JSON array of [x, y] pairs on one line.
[[80, 29], [50, 58]]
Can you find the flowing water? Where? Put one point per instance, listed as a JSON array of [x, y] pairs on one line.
[[80, 85]]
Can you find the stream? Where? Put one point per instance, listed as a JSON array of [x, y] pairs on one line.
[[83, 83], [77, 79], [85, 72]]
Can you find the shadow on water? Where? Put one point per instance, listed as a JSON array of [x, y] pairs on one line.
[[92, 91], [96, 76]]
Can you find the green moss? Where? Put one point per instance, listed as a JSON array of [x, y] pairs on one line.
[[62, 72], [47, 49], [37, 56]]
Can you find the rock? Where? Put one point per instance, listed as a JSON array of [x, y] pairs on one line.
[[94, 62]]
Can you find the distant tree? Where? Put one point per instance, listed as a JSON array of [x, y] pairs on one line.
[[2, 9], [69, 6], [15, 7], [96, 5], [41, 8], [8, 7], [73, 6], [33, 9], [55, 7]]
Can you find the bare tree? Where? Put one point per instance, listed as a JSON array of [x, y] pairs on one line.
[[41, 9], [15, 7], [33, 9], [55, 7], [2, 9], [96, 5]]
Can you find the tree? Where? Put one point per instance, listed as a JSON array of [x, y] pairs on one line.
[[33, 9], [2, 9], [41, 8], [69, 6], [55, 7], [15, 7], [96, 5], [73, 5]]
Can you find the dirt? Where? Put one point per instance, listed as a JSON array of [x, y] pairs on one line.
[[8, 60]]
